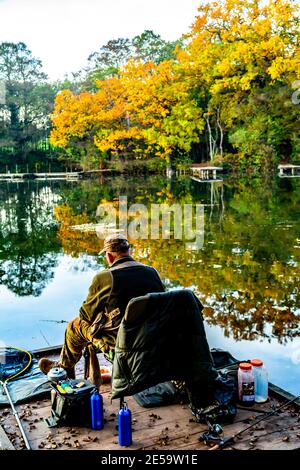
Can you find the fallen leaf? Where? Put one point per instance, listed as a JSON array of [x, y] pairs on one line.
[[259, 428]]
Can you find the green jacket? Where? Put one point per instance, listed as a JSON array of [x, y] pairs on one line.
[[161, 338], [112, 289]]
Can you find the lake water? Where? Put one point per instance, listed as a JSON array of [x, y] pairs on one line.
[[246, 273]]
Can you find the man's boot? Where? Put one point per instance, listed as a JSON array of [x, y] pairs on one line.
[[46, 365]]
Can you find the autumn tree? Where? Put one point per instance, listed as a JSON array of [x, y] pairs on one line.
[[79, 118], [242, 59], [224, 92], [146, 111]]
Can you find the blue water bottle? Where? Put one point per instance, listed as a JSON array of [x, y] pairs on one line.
[[124, 421], [97, 410]]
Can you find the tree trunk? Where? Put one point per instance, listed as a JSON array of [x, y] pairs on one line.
[[221, 132], [212, 141]]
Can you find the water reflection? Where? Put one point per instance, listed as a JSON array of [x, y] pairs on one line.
[[247, 273], [28, 242]]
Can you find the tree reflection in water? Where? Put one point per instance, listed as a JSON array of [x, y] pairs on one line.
[[28, 237], [246, 274]]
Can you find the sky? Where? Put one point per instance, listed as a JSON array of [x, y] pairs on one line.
[[63, 33]]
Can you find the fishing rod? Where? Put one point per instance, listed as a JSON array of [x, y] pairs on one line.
[[55, 321], [217, 429], [4, 384], [45, 338]]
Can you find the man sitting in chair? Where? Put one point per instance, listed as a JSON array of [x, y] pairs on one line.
[[102, 311]]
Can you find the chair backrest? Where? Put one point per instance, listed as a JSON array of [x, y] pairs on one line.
[[137, 308], [161, 336]]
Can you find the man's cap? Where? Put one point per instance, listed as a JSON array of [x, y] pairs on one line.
[[115, 243]]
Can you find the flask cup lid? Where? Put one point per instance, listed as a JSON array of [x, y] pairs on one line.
[[56, 374]]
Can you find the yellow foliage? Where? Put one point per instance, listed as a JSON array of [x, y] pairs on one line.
[[232, 46]]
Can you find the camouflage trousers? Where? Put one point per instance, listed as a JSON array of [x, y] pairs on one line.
[[77, 336]]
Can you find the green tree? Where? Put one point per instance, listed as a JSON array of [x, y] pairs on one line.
[[28, 242], [28, 100], [150, 47], [146, 47], [109, 59]]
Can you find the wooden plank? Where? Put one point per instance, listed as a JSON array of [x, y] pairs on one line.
[[147, 430], [5, 443], [289, 176], [170, 427], [284, 435], [280, 393], [203, 166], [288, 165], [150, 426], [48, 350], [194, 430], [244, 416], [207, 180], [143, 421], [274, 390]]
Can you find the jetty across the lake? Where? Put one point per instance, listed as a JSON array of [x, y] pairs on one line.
[[198, 171], [202, 172], [289, 171], [67, 175]]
